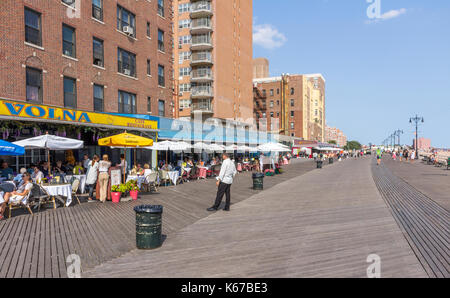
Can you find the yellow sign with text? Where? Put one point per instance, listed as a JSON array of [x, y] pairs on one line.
[[36, 111]]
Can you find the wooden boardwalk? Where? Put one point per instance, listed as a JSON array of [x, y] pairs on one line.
[[37, 246], [425, 224], [322, 224]]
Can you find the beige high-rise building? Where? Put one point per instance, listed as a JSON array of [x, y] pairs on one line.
[[260, 68], [213, 57]]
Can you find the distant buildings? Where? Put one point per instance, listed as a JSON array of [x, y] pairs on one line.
[[291, 105], [335, 134], [260, 68], [423, 144]]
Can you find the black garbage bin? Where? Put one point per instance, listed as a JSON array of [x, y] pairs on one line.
[[319, 164], [148, 226], [258, 181], [331, 160]]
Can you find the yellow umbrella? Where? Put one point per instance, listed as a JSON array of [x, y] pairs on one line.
[[126, 140]]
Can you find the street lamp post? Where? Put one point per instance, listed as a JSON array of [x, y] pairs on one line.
[[398, 133], [417, 120]]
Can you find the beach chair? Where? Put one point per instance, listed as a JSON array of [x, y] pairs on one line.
[[75, 186], [151, 182], [22, 204], [164, 177]]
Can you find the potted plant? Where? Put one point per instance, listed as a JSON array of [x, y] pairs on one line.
[[133, 189], [117, 191]]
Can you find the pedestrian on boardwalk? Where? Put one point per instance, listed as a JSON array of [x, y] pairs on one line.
[[405, 154], [92, 176], [103, 177], [413, 155], [379, 156], [224, 182]]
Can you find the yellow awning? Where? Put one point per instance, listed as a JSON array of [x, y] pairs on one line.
[[126, 140]]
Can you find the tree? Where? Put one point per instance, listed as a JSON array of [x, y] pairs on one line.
[[332, 142], [353, 145]]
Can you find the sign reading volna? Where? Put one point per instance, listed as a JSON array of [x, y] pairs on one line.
[[37, 111]]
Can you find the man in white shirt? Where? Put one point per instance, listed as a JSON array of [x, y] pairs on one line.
[[224, 182]]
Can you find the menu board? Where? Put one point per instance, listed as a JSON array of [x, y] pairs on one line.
[[116, 177]]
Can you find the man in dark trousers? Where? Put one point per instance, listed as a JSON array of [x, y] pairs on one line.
[[224, 182]]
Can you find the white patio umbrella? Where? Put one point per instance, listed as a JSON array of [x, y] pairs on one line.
[[201, 146], [273, 147], [216, 148], [232, 148], [50, 142]]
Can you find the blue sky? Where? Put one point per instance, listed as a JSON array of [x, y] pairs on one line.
[[379, 72]]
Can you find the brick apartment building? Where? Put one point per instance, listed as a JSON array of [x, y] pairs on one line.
[[423, 144], [335, 134], [213, 59], [294, 105], [92, 55]]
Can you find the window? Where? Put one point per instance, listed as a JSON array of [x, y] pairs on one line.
[[185, 7], [149, 105], [161, 77], [292, 125], [161, 108], [160, 40], [271, 114], [33, 27], [149, 68], [185, 87], [69, 41], [292, 113], [98, 98], [278, 102], [292, 102], [292, 91], [185, 104], [278, 90], [264, 92], [127, 102], [185, 71], [271, 92], [70, 93], [97, 9], [126, 19], [148, 30], [271, 103], [98, 58], [184, 56], [186, 23], [69, 2], [34, 84], [161, 8], [126, 63]]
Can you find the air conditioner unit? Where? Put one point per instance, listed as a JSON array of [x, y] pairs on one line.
[[127, 72], [128, 30], [180, 94]]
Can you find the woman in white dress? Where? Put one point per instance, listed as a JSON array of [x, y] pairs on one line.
[[16, 197]]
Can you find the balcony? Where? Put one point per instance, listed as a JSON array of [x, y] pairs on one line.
[[199, 92], [201, 26], [201, 9], [201, 42], [201, 58], [202, 75], [203, 106]]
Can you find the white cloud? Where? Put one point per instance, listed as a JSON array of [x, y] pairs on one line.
[[393, 13], [267, 36]]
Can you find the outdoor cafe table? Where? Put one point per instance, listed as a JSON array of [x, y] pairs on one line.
[[140, 179], [174, 175], [64, 190], [82, 179]]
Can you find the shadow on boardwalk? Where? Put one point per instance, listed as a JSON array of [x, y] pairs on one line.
[[37, 246]]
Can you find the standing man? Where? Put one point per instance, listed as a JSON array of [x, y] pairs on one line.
[[86, 162], [224, 181]]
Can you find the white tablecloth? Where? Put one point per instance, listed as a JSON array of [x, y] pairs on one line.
[[82, 179], [60, 190], [174, 175], [140, 179]]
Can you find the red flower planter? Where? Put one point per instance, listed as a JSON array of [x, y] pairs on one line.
[[115, 197], [134, 194]]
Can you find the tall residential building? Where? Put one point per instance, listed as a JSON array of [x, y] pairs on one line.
[[335, 134], [423, 144], [90, 55], [260, 68], [295, 105], [213, 59]]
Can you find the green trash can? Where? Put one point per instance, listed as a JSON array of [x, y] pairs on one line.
[[148, 226], [258, 181], [319, 164], [331, 161]]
